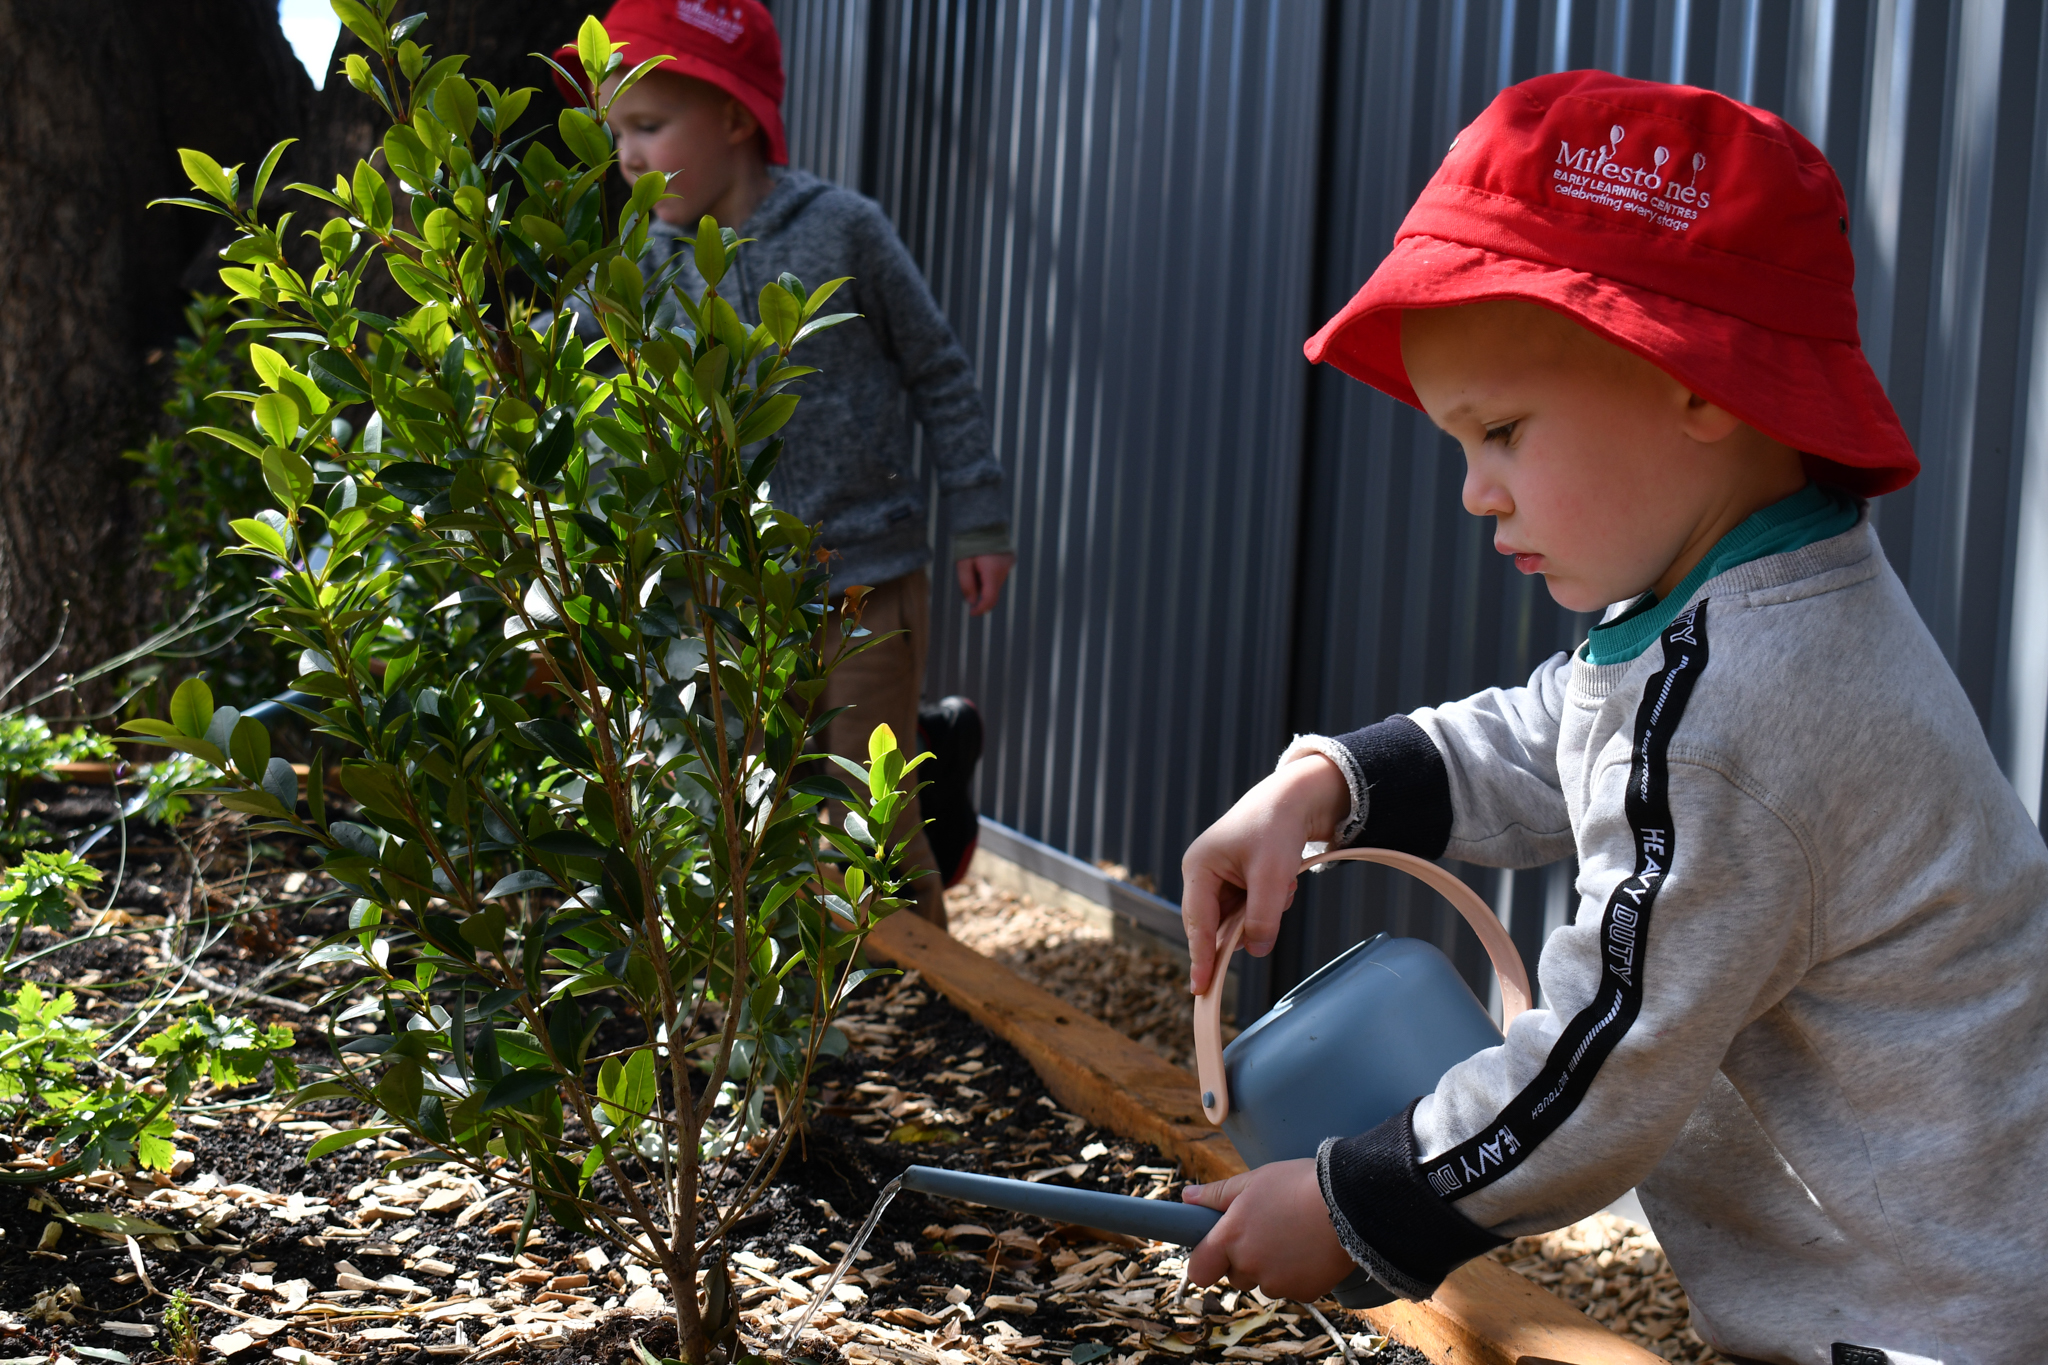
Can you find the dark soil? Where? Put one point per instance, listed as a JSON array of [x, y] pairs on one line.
[[207, 877]]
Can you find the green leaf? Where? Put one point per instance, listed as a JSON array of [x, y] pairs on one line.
[[400, 1089], [710, 250], [594, 49], [334, 374], [334, 1142], [288, 476], [767, 419], [531, 879], [567, 843], [192, 707], [249, 746], [442, 230], [520, 1086], [558, 739], [454, 104], [422, 284], [263, 171], [485, 929], [362, 23], [373, 197], [207, 176], [409, 157], [583, 137], [278, 416], [280, 781], [261, 535], [552, 446], [233, 438], [268, 363]]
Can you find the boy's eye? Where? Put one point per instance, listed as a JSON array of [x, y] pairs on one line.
[[1503, 433]]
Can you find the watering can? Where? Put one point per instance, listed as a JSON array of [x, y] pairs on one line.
[[1347, 1048]]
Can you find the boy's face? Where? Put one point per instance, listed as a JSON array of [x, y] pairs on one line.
[[1602, 473], [702, 137]]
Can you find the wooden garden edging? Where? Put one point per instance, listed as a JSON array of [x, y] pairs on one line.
[[1485, 1314]]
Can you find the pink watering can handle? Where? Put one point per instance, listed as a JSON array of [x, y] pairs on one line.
[[1500, 949]]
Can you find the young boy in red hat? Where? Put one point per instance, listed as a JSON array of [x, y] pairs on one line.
[[1802, 1007], [710, 117]]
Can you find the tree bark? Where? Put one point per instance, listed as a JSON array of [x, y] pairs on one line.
[[92, 113]]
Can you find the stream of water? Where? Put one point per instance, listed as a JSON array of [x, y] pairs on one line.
[[860, 1239]]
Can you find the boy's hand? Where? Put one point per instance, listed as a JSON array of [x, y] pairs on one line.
[[1275, 1233], [1250, 857], [981, 580]]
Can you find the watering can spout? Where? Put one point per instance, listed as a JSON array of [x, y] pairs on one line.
[[1154, 1220]]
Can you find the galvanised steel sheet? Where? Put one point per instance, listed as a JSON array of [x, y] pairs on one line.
[[1135, 211]]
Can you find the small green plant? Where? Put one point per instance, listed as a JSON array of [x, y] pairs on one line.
[[58, 1079], [27, 749], [181, 1333], [603, 915], [42, 889]]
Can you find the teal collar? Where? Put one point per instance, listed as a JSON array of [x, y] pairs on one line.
[[1811, 515]]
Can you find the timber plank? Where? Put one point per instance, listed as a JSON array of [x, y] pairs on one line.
[[1484, 1314], [1096, 1072]]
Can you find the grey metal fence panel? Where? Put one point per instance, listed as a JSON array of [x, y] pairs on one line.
[[1135, 211], [1109, 200]]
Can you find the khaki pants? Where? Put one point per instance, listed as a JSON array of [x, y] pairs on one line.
[[883, 685]]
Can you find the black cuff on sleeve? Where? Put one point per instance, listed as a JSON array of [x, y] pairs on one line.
[[1386, 1215], [1408, 808]]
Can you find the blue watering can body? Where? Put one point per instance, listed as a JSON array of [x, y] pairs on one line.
[[1350, 1047], [1341, 1052]]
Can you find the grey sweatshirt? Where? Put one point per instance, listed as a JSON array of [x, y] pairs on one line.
[[1803, 1006], [847, 461]]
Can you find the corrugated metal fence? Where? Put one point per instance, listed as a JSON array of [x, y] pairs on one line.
[[1134, 211]]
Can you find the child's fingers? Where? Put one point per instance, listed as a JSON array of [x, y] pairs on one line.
[[1210, 1260], [1218, 1196], [1269, 892], [1206, 901]]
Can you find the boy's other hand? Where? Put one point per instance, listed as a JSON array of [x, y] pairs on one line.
[[1248, 859], [1275, 1234], [981, 580]]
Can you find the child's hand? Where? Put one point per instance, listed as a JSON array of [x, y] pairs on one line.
[[1250, 857], [1275, 1233], [981, 580]]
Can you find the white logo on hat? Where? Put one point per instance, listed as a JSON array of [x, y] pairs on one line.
[[724, 22], [1594, 176]]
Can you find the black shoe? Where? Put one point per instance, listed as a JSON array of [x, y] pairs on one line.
[[950, 730]]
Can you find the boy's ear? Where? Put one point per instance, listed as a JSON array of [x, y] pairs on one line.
[[1706, 421], [741, 126]]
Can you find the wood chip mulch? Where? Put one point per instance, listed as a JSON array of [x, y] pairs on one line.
[[1609, 1267]]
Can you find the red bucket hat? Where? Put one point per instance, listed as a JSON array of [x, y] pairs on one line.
[[730, 43], [1708, 237]]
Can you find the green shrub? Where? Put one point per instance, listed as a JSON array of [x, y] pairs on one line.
[[605, 794], [196, 495]]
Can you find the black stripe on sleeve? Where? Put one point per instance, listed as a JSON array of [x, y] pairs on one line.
[[1370, 1180], [1595, 1031], [1408, 800]]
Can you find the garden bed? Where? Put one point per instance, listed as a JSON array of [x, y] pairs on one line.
[[332, 1259]]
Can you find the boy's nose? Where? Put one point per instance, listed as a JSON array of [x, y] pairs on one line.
[[1483, 495]]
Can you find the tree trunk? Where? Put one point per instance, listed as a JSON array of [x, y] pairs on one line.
[[92, 112]]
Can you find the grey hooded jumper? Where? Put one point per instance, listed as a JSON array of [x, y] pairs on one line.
[[848, 458], [1803, 1005]]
